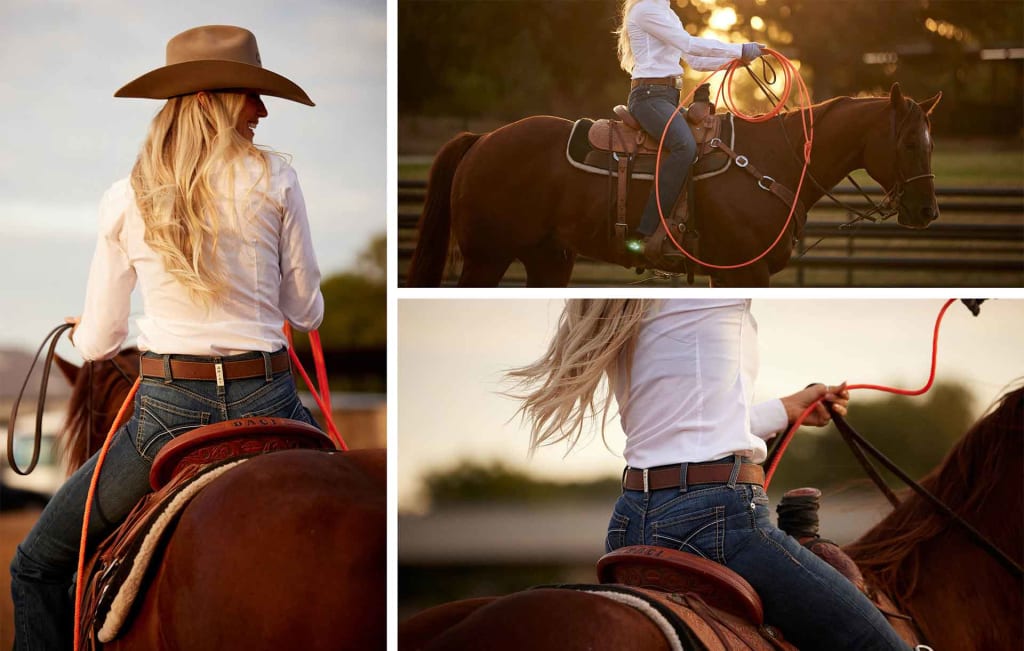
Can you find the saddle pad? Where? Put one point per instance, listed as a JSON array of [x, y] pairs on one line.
[[584, 157], [124, 576]]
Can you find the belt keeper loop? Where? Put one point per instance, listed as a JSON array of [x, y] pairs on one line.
[[647, 486], [266, 366], [734, 475], [682, 476], [218, 368], [168, 376]]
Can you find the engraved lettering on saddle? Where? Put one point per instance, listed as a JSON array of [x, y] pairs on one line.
[[117, 572]]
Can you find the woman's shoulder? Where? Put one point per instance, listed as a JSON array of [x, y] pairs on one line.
[[116, 201]]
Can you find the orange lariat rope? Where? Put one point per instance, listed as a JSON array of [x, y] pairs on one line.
[[323, 396], [790, 74], [784, 442], [80, 577]]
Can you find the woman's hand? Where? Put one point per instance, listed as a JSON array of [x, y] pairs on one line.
[[751, 52], [819, 416], [74, 321]]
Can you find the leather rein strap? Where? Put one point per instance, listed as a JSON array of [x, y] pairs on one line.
[[53, 337], [859, 445]]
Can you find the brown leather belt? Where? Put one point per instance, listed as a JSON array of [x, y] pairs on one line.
[[669, 476], [231, 370], [674, 82]]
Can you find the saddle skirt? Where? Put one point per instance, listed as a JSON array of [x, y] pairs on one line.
[[120, 568]]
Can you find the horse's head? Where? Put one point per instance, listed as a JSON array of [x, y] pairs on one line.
[[899, 157]]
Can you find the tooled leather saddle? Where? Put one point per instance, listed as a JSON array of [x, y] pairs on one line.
[[120, 567]]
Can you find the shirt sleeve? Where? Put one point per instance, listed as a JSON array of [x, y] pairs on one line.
[[301, 301], [664, 25], [768, 419], [104, 322]]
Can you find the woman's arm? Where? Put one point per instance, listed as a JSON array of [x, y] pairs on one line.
[[663, 24], [104, 322], [301, 301]]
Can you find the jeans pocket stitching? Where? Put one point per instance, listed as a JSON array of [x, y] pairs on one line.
[[715, 517], [621, 525]]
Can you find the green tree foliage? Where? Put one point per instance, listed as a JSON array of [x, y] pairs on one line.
[[354, 329], [473, 482], [506, 60]]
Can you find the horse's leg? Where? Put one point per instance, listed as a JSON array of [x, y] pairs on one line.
[[417, 631], [483, 273], [548, 265], [553, 620]]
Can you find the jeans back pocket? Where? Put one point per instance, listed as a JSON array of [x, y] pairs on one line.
[[160, 421], [699, 532]]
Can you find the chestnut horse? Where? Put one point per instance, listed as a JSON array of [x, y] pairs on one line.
[[511, 194], [960, 597], [287, 550]]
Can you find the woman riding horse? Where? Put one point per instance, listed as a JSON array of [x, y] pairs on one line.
[[651, 42], [682, 373], [215, 232]]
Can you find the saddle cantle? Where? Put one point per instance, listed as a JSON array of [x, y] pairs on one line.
[[669, 570], [120, 567]]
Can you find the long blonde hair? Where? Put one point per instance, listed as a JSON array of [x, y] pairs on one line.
[[561, 389], [625, 50], [191, 140]]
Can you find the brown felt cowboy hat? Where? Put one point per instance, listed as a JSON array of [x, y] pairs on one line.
[[212, 57]]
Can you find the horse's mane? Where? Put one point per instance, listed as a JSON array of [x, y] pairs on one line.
[[890, 553], [98, 390]]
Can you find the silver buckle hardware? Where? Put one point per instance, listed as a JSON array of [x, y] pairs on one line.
[[218, 368], [714, 142], [761, 183], [742, 161], [646, 485]]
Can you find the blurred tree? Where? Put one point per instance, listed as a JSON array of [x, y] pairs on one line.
[[473, 482], [354, 329], [506, 60]]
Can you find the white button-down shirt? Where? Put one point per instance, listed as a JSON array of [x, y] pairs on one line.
[[658, 41], [264, 250], [690, 396]]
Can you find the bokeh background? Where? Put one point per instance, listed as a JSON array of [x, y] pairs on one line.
[[479, 516], [475, 65]]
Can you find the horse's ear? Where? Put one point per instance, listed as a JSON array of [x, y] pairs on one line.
[[67, 369], [896, 97], [929, 104]]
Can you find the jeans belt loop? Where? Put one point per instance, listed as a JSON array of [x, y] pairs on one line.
[[734, 475], [266, 366], [682, 476], [647, 486], [168, 376], [622, 483]]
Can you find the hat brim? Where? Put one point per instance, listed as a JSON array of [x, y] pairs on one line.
[[193, 76]]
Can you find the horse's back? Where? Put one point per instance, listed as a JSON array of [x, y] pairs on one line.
[[288, 550]]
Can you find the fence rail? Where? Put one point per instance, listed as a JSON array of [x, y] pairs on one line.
[[978, 241]]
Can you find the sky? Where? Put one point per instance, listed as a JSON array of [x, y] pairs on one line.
[[451, 354], [64, 138]]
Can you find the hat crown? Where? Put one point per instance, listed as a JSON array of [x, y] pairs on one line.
[[214, 43]]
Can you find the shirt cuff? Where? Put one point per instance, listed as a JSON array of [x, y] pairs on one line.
[[768, 418]]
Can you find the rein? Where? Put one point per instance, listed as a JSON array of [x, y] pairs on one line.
[[52, 337], [859, 446]]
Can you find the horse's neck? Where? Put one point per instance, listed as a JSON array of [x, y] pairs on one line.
[[842, 128]]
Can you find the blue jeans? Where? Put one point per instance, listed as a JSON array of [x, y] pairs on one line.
[[44, 565], [653, 106], [813, 605]]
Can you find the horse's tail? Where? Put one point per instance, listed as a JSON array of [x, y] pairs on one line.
[[435, 223]]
